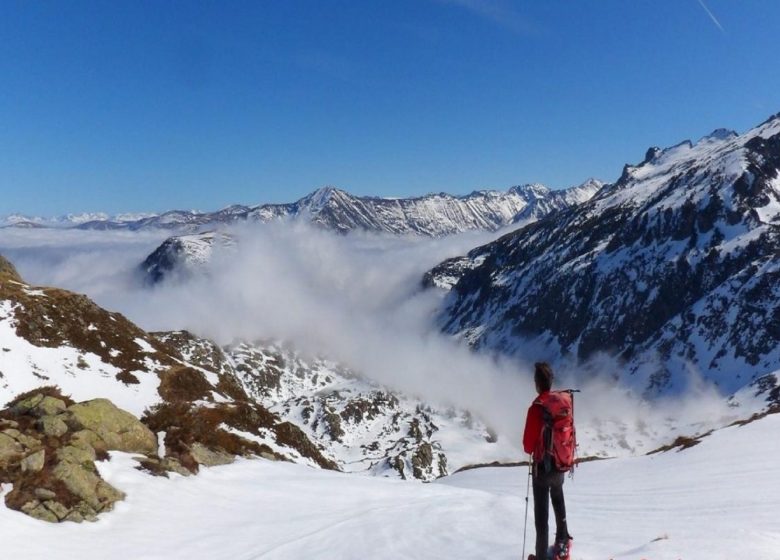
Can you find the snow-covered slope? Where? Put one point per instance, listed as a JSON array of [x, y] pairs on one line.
[[336, 210], [717, 500], [50, 336], [360, 425], [183, 255], [674, 267]]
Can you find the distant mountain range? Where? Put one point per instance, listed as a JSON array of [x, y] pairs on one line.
[[337, 210], [674, 269]]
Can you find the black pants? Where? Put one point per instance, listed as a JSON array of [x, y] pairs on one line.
[[547, 487]]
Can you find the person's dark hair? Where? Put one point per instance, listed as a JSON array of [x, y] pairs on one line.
[[543, 376]]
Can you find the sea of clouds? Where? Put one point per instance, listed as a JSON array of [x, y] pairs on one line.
[[356, 299]]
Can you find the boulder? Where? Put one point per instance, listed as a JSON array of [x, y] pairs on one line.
[[40, 405], [209, 457], [34, 462], [77, 454], [39, 511], [10, 450], [27, 442], [84, 482], [119, 429], [44, 494], [52, 425]]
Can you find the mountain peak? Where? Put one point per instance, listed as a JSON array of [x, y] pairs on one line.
[[535, 190], [717, 135], [323, 195]]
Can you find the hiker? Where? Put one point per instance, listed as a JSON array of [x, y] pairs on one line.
[[548, 467]]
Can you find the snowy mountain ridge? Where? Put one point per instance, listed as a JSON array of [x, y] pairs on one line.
[[336, 210], [672, 268]]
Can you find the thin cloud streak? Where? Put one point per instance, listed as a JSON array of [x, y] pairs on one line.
[[499, 12], [712, 16]]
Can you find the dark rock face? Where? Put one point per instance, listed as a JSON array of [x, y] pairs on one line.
[[676, 264]]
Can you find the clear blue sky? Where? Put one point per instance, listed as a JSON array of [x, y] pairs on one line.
[[130, 105]]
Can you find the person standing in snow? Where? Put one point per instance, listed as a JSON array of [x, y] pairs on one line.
[[547, 479]]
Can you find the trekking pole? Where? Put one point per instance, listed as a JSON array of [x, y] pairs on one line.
[[527, 491]]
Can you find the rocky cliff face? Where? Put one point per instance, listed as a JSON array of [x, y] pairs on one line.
[[674, 266]]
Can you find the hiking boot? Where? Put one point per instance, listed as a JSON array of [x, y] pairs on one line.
[[562, 548]]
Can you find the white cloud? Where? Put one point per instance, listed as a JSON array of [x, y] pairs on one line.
[[356, 299]]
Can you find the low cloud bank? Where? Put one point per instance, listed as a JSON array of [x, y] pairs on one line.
[[356, 299]]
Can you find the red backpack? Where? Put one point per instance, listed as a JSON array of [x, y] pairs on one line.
[[558, 444]]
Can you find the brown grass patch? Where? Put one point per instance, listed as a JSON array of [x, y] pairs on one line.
[[773, 409], [63, 318], [681, 443], [291, 435], [185, 424], [184, 384], [127, 378]]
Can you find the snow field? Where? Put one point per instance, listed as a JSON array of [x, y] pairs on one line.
[[716, 500]]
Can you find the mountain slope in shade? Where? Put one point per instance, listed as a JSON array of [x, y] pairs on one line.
[[673, 268]]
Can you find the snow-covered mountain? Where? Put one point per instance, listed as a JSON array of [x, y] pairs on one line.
[[311, 411], [184, 255], [336, 210], [675, 267], [52, 337]]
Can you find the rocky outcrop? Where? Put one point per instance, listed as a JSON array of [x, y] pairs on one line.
[[48, 449]]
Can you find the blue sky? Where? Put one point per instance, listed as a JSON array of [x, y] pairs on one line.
[[132, 106]]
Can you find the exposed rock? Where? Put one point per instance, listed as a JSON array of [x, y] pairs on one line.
[[208, 457], [34, 462], [80, 455], [39, 405], [27, 442], [37, 510], [52, 426], [10, 450], [44, 494], [49, 406], [171, 464], [87, 485], [119, 429], [57, 508]]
